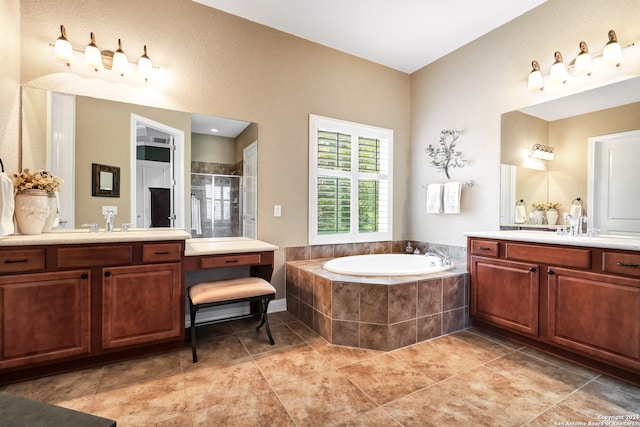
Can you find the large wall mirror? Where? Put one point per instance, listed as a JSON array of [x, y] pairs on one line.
[[176, 169], [570, 125]]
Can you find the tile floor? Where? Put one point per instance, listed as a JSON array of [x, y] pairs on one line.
[[467, 378]]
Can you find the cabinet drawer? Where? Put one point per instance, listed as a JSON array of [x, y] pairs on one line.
[[161, 252], [21, 260], [550, 255], [620, 263], [230, 260], [94, 256], [485, 247]]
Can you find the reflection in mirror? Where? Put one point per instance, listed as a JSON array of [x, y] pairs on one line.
[[98, 131], [554, 124]]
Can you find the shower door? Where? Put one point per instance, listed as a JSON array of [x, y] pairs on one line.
[[216, 205]]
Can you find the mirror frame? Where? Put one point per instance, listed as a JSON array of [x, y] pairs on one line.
[[97, 189]]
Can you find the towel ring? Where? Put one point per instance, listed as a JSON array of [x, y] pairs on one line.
[[577, 201], [520, 202]]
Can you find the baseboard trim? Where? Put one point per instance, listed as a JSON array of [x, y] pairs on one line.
[[215, 314]]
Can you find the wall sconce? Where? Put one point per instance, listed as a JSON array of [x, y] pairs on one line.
[[445, 156], [101, 59], [582, 65], [558, 72], [541, 152]]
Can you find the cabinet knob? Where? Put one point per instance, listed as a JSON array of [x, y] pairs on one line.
[[84, 276], [550, 271], [107, 273], [533, 269]]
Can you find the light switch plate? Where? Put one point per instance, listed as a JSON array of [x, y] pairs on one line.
[[277, 210], [109, 208]]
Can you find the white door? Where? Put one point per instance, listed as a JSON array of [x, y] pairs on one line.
[[250, 191], [150, 174], [614, 196]]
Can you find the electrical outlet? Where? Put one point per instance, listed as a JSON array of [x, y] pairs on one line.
[[110, 208], [277, 210]]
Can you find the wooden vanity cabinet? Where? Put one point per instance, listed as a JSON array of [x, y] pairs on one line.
[[63, 307], [582, 303]]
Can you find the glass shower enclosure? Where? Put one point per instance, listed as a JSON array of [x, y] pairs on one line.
[[216, 205]]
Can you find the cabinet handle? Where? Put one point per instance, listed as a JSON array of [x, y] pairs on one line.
[[107, 273], [231, 261], [483, 248], [533, 269], [162, 253], [550, 271], [14, 261], [84, 276], [622, 264]]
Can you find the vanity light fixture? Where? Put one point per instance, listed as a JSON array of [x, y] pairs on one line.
[[62, 49], [445, 156], [582, 63], [535, 77], [92, 55], [558, 72], [541, 152], [612, 53], [120, 60], [101, 60]]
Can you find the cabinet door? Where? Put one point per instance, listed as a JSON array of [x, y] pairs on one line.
[[44, 317], [142, 304], [505, 293], [596, 314]]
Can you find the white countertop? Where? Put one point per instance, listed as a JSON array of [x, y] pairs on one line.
[[225, 245], [80, 236], [609, 242]]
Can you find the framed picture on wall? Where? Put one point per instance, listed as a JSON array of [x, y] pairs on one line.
[[105, 180]]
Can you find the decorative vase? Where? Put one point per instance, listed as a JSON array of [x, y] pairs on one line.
[[52, 201], [552, 216], [538, 217], [31, 211]]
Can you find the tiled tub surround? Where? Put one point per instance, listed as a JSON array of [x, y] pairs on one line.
[[380, 313]]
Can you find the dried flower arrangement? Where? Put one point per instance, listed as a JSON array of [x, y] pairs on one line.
[[539, 206], [552, 205], [40, 180]]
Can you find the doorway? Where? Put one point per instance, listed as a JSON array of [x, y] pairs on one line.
[[157, 185], [613, 197]]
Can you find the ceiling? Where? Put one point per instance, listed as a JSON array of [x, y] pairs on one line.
[[405, 35]]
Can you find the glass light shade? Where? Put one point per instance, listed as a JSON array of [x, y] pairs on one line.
[[93, 57], [582, 66], [535, 81], [62, 49], [144, 64], [558, 73], [120, 61], [612, 53]]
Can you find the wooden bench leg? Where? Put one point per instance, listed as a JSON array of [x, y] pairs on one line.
[[194, 355]]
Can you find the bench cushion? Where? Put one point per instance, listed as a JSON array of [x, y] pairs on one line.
[[228, 290]]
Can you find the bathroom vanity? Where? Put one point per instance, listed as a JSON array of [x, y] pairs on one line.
[[75, 299], [575, 296]]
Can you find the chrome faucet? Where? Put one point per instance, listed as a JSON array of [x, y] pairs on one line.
[[444, 258], [575, 224], [109, 216]]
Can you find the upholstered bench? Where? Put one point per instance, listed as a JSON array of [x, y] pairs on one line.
[[220, 292]]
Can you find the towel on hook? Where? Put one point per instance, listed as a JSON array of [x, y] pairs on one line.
[[452, 191], [7, 205], [520, 216], [434, 198], [196, 221]]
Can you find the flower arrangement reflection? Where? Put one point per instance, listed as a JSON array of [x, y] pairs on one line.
[[39, 180]]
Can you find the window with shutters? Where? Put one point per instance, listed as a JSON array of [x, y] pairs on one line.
[[350, 196]]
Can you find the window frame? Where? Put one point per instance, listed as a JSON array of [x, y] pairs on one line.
[[355, 130]]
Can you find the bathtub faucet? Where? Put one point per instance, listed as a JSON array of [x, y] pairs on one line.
[[446, 260]]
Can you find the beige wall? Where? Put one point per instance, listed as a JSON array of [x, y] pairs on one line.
[[470, 88], [10, 85], [213, 149], [217, 64]]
